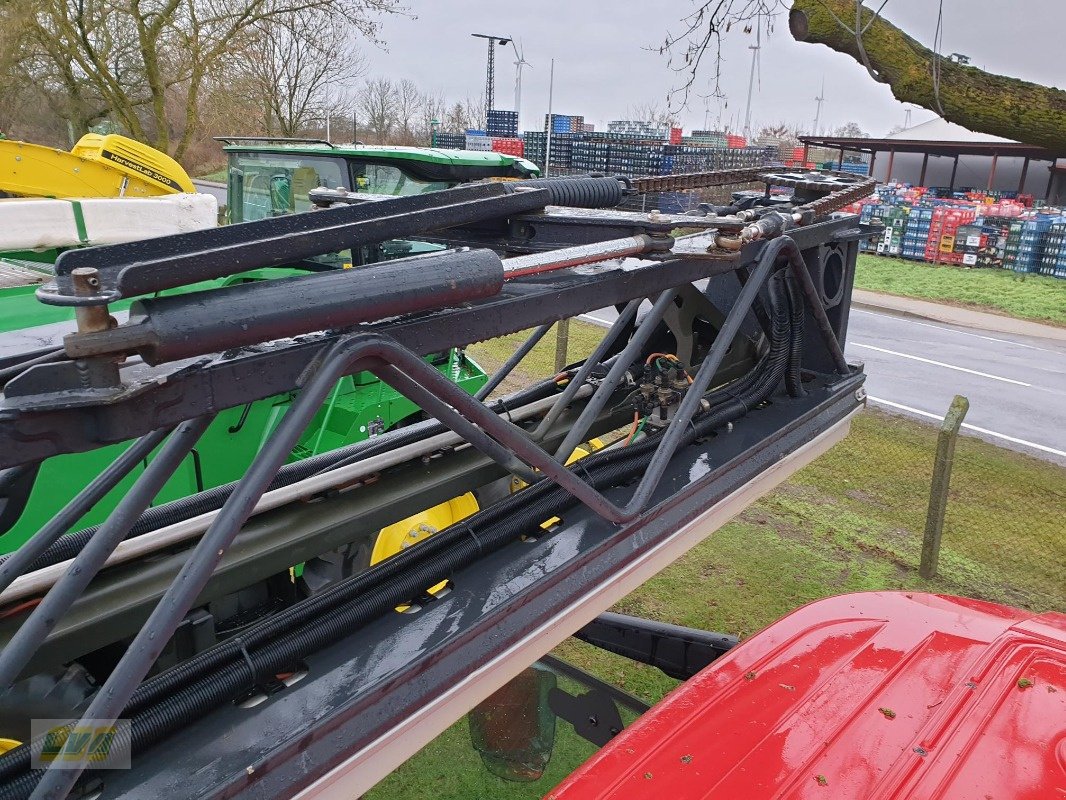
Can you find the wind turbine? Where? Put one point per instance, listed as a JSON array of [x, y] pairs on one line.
[[818, 110], [751, 79], [521, 62]]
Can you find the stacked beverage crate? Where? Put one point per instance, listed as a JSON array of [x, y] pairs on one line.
[[451, 141], [712, 138], [969, 241], [534, 143], [652, 130], [854, 167], [1053, 262], [895, 221], [942, 231], [1025, 242], [558, 123], [502, 124], [635, 159], [478, 141], [916, 234], [561, 150], [994, 249], [590, 156], [508, 146]]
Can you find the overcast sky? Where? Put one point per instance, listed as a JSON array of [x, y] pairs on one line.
[[604, 58]]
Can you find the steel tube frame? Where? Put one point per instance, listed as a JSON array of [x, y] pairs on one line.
[[571, 390], [178, 532], [473, 434], [426, 387], [512, 362], [91, 559], [606, 388], [15, 565]]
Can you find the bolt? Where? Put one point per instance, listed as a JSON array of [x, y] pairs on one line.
[[860, 394], [90, 318]]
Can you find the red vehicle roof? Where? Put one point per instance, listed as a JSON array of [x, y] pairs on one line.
[[873, 696]]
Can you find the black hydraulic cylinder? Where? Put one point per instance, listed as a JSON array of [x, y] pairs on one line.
[[150, 265], [170, 328]]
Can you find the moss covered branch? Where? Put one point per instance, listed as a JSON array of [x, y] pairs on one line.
[[978, 100]]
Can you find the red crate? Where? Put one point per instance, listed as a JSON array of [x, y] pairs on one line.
[[511, 147]]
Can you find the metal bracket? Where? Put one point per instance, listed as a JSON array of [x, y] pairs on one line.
[[677, 651]]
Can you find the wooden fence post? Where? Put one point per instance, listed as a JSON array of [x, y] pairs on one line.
[[938, 490], [562, 344]]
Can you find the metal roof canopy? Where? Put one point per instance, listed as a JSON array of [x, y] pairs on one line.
[[933, 148]]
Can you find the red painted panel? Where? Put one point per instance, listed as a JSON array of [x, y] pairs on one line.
[[872, 696]]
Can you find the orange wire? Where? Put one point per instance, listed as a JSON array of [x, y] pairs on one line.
[[671, 357], [632, 429], [24, 606], [660, 355]]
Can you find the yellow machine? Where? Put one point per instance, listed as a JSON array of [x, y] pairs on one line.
[[97, 166]]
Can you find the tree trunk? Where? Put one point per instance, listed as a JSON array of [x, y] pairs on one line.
[[978, 100]]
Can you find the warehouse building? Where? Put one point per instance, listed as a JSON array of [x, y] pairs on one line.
[[941, 153]]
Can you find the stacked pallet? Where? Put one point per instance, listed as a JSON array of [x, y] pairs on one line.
[[1053, 261], [1026, 241], [509, 146], [943, 230], [502, 124]]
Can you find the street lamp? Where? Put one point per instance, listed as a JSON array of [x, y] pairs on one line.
[[490, 70]]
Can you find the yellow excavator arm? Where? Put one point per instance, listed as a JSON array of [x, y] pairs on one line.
[[97, 166]]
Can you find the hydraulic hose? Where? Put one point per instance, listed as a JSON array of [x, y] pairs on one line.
[[793, 379], [68, 546], [221, 674]]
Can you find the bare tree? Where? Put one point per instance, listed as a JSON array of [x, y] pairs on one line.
[[651, 112], [699, 40], [409, 101], [296, 64], [150, 63], [460, 116], [852, 129], [434, 108], [474, 108], [781, 131], [377, 103]]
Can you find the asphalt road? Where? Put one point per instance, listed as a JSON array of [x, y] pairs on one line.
[[1016, 385], [211, 187]]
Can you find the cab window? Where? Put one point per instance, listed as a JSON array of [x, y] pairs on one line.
[[273, 184], [387, 179]]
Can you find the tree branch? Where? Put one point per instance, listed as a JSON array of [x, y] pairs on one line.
[[978, 100]]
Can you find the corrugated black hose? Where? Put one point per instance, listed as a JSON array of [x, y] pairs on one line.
[[793, 379]]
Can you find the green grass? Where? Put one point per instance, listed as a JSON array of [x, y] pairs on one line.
[[851, 521], [219, 176], [1036, 297], [541, 359]]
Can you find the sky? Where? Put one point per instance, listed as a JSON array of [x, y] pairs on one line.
[[606, 60]]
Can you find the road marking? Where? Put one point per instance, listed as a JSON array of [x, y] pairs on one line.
[[939, 364], [606, 323], [882, 402], [956, 330]]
